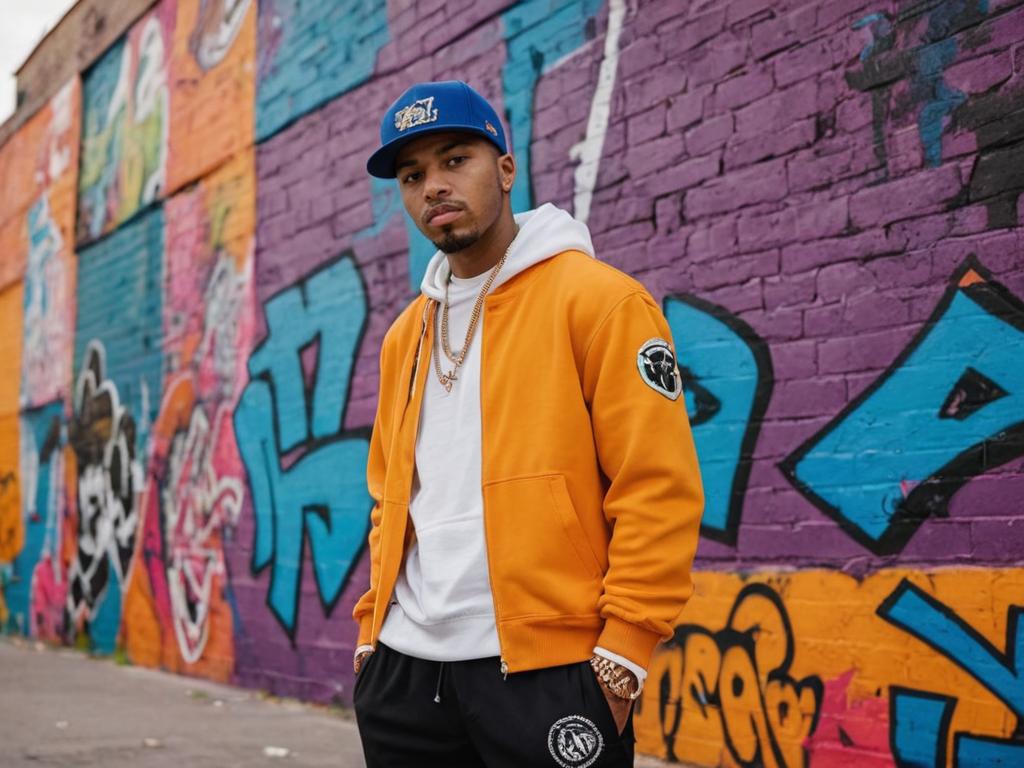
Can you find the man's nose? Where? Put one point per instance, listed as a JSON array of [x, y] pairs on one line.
[[436, 185]]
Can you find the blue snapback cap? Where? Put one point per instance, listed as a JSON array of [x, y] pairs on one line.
[[448, 105]]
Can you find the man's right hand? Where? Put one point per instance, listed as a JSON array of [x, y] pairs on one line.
[[360, 658]]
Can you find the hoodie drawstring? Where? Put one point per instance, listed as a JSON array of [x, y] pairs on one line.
[[440, 676]]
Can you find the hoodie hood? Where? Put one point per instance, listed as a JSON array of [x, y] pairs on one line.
[[543, 233]]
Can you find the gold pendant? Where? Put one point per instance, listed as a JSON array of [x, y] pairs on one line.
[[447, 380]]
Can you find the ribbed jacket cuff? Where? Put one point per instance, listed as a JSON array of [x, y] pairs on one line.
[[629, 640], [365, 629]]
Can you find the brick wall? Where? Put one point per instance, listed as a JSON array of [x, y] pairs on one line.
[[826, 198]]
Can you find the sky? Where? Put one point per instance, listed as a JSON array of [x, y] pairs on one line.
[[24, 24]]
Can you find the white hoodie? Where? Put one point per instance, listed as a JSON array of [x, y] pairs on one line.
[[442, 608]]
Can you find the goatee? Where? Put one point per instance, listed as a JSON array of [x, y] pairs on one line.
[[452, 243]]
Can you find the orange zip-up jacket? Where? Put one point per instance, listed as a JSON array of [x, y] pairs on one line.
[[591, 488]]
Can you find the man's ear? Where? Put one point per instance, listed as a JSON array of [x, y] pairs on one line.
[[507, 171]]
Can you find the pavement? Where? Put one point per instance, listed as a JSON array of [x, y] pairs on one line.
[[61, 707]]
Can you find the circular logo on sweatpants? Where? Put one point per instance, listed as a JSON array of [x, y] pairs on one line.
[[575, 742]]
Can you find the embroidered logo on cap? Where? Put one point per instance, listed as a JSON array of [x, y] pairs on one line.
[[490, 128], [419, 112], [575, 742], [657, 365]]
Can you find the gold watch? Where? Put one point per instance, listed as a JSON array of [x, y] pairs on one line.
[[616, 678]]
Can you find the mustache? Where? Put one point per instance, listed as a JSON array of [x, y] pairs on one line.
[[441, 208]]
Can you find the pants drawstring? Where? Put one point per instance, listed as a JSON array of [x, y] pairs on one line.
[[440, 675]]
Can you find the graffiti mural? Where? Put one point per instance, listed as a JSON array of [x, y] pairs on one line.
[[534, 46], [932, 52], [117, 391], [727, 380], [197, 275], [308, 55], [212, 87], [102, 436], [217, 26], [46, 361], [760, 682], [35, 586], [125, 127], [921, 720], [964, 371], [295, 401], [194, 487], [735, 682]]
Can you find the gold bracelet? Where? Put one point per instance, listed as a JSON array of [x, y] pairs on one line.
[[616, 678]]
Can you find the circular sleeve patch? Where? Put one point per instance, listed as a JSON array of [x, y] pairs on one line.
[[657, 365]]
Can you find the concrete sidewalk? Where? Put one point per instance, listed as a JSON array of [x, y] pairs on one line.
[[63, 708], [60, 707]]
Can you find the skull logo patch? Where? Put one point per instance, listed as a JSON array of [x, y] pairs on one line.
[[657, 365]]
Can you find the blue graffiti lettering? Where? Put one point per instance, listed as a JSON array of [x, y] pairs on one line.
[[727, 380], [312, 52], [538, 33], [949, 408], [322, 494], [919, 726]]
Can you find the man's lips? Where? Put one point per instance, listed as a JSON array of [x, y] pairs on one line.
[[442, 215]]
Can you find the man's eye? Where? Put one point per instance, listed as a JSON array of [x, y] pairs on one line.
[[410, 177], [457, 159]]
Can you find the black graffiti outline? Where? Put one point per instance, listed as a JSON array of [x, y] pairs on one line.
[[949, 704], [1006, 658], [932, 496], [961, 735], [310, 445], [759, 406], [725, 638]]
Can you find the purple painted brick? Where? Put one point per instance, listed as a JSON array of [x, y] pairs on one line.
[[709, 134], [863, 352], [654, 155], [646, 125], [662, 83], [794, 136], [755, 184], [789, 290], [783, 31], [872, 310], [906, 197], [797, 359], [802, 256], [742, 89], [808, 397], [640, 56], [699, 30], [737, 269], [778, 110], [806, 60], [718, 60], [808, 170], [837, 281], [685, 109]]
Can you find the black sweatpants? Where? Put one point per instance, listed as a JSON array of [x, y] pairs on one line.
[[418, 714]]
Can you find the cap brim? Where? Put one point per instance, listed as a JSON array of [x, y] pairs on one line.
[[382, 162]]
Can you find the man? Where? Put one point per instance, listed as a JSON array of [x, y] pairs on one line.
[[537, 490]]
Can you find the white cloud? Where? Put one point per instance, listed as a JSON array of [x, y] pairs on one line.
[[24, 24]]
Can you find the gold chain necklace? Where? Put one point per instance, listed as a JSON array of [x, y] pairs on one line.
[[447, 379]]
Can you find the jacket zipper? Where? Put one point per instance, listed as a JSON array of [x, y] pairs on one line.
[[502, 665], [419, 350]]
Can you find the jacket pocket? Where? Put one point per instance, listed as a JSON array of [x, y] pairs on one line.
[[540, 560]]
